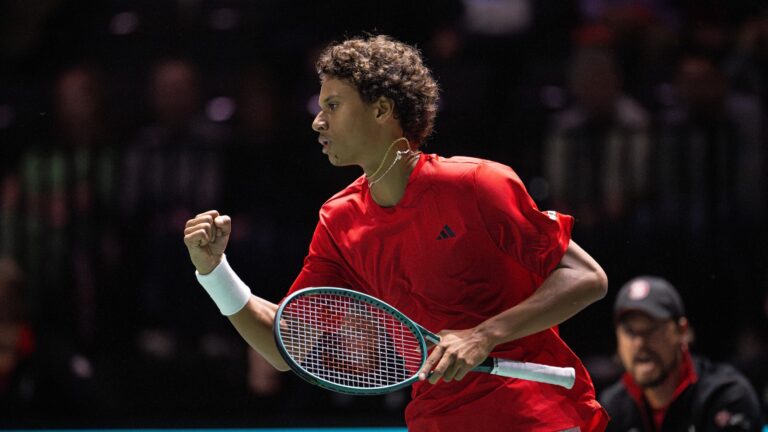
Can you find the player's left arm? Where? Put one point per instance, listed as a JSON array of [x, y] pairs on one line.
[[576, 282]]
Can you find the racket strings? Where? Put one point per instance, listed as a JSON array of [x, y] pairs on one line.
[[349, 342]]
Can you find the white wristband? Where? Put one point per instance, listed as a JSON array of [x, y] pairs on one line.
[[225, 288]]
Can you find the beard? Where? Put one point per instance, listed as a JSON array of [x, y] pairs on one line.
[[664, 370]]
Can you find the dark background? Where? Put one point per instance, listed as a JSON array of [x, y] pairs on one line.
[[121, 119]]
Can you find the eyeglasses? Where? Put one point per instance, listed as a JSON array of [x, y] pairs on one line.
[[639, 331]]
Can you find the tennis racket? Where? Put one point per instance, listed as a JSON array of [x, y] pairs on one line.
[[350, 342]]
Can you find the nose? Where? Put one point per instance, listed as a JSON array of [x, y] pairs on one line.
[[319, 123], [637, 341]]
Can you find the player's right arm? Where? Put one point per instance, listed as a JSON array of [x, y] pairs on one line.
[[206, 237]]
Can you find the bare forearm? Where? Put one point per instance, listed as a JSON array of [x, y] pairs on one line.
[[254, 323], [549, 306], [575, 284]]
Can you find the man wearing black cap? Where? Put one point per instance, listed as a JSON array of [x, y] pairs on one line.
[[664, 388]]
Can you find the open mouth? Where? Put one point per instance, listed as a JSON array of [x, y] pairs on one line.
[[645, 360], [324, 141]]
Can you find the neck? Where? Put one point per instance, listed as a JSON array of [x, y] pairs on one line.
[[378, 174], [390, 188]]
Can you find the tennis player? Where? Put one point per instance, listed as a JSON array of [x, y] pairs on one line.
[[456, 244]]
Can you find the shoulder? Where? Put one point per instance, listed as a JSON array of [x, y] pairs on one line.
[[614, 394], [345, 199], [712, 377], [463, 167], [723, 391], [472, 176], [438, 167]]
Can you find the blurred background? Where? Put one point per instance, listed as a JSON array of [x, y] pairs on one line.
[[120, 119]]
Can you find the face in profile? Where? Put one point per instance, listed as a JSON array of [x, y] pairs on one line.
[[650, 349], [344, 124]]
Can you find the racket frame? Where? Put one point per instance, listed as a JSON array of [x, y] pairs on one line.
[[561, 376]]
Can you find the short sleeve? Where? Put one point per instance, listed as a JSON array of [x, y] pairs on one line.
[[323, 265], [537, 240]]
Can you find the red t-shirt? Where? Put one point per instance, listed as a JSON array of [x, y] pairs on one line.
[[466, 242]]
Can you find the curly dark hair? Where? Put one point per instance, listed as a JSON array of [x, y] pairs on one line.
[[382, 66]]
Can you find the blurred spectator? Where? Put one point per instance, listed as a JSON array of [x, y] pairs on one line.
[[17, 346], [508, 49], [499, 17], [664, 387], [256, 159], [642, 36], [175, 149], [172, 169], [710, 151], [622, 10], [751, 355], [263, 379], [597, 153], [58, 208], [596, 161], [747, 64], [257, 136], [465, 105], [711, 201]]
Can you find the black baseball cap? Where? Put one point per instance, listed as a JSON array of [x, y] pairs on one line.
[[652, 295]]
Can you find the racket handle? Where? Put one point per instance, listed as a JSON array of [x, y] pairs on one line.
[[562, 376]]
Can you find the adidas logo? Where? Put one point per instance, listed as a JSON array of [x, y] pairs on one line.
[[445, 233]]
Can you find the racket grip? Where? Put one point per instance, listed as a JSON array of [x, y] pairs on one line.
[[562, 376]]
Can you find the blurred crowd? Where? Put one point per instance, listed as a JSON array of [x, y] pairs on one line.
[[121, 119]]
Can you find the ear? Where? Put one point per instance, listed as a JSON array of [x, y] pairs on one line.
[[384, 108], [685, 331]]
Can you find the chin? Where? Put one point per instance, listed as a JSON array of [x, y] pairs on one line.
[[335, 161], [650, 381]]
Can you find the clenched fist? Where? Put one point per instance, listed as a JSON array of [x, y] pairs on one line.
[[206, 237]]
